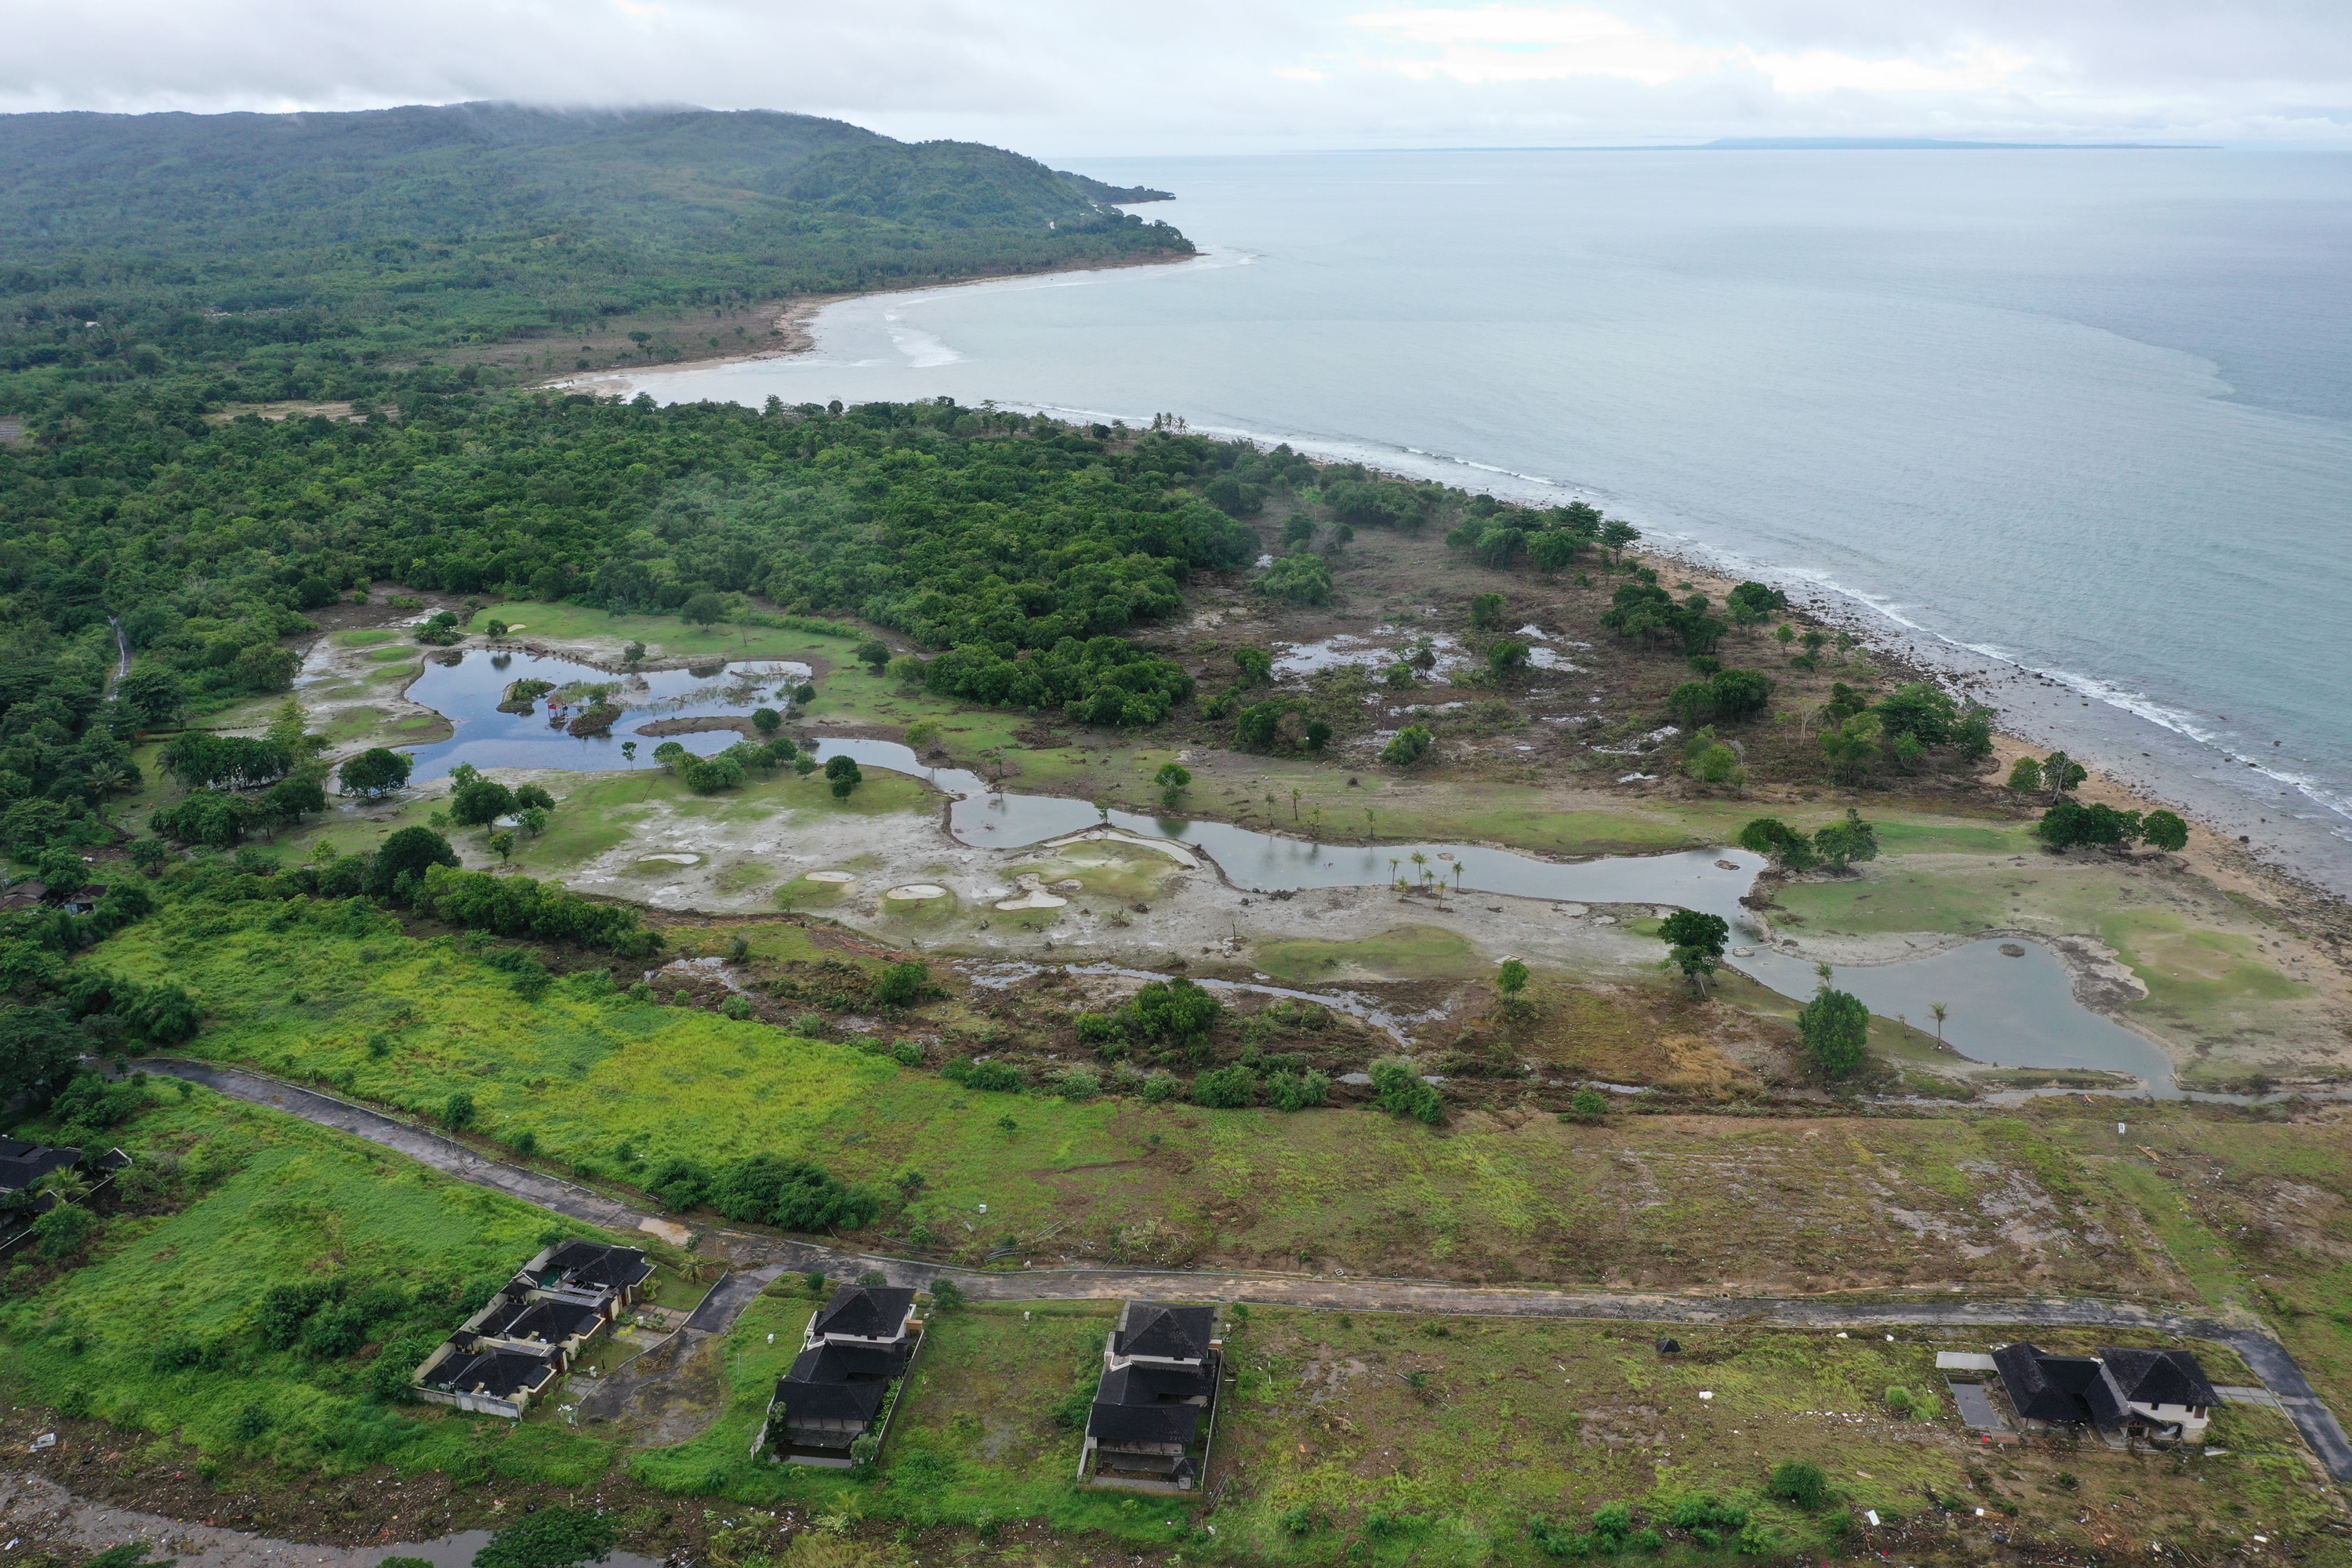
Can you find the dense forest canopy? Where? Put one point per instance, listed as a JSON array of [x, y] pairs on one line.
[[256, 257]]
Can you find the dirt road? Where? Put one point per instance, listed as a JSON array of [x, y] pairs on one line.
[[762, 1257]]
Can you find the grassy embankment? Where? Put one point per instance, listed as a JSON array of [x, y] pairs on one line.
[[613, 1086], [1395, 1438]]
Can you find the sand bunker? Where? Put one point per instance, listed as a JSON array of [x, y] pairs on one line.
[[834, 876], [674, 859], [1033, 895], [917, 890]]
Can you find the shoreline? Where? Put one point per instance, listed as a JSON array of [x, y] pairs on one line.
[[2309, 856]]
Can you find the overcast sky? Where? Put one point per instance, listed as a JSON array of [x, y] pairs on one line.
[[1066, 80]]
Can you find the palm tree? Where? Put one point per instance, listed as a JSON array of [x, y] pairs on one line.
[[1457, 876], [1822, 972], [1421, 863], [1940, 1013], [1394, 864], [1294, 802]]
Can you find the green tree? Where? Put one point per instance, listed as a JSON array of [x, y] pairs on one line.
[[767, 720], [875, 655], [478, 802], [1786, 848], [2025, 776], [459, 1113], [502, 845], [1844, 844], [843, 772], [153, 697], [149, 854], [1317, 734], [1486, 610], [1835, 1027], [1511, 981], [1172, 779], [375, 771], [2165, 830], [1507, 657], [633, 655], [1695, 941], [705, 609]]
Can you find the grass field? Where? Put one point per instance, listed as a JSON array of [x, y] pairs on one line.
[[158, 1334], [615, 1086], [1403, 1438]]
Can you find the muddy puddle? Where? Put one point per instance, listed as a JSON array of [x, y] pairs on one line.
[[2011, 1009]]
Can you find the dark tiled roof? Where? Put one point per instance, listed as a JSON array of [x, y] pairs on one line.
[[1143, 1423], [2073, 1388], [593, 1266], [553, 1321], [827, 1401], [501, 1372], [2158, 1377], [1171, 1333], [869, 1311], [1140, 1383], [23, 1163]]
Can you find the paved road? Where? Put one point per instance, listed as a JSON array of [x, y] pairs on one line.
[[760, 1258]]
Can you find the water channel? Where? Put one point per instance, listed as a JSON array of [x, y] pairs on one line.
[[2008, 1010]]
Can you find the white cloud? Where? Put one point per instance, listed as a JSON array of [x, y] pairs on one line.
[[1065, 78], [1824, 70], [1517, 43]]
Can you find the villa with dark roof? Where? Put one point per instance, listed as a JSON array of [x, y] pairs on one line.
[[22, 1165], [2158, 1393], [856, 1350], [530, 1333], [1155, 1409]]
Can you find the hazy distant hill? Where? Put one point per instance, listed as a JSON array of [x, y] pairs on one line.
[[481, 221]]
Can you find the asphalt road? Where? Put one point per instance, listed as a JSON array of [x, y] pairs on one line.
[[759, 1258]]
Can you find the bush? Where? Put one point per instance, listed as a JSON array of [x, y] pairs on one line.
[[1401, 1091], [1835, 1027], [1408, 746], [901, 984], [1226, 1088], [1587, 1104], [996, 1078], [1299, 1090], [1801, 1482], [791, 1194], [1077, 1085], [947, 1296], [554, 1537]]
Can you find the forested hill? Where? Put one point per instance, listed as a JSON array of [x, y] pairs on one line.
[[294, 255]]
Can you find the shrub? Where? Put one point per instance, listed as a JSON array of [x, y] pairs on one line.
[[1835, 1027], [1077, 1085], [1801, 1482], [1297, 1092], [1408, 746], [997, 1078], [792, 1194], [1401, 1091], [555, 1537], [947, 1296], [1589, 1104], [1226, 1088], [901, 984]]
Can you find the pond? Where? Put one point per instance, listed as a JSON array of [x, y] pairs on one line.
[[2011, 1011], [466, 686]]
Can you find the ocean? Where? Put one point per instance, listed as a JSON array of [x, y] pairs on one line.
[[2075, 424]]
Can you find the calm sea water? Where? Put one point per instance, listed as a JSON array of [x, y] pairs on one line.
[[2087, 414]]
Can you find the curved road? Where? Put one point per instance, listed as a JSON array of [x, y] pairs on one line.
[[768, 1256]]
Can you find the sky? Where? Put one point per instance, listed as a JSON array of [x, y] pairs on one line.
[[1062, 79]]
